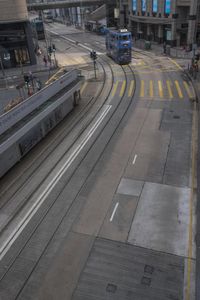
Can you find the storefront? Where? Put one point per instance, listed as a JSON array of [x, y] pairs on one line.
[[16, 46]]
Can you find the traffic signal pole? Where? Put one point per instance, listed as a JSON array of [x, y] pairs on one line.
[[93, 55]]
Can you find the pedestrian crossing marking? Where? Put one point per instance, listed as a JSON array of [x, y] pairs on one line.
[[154, 89], [160, 88], [178, 89], [115, 88], [191, 95], [142, 88], [169, 84], [132, 85], [151, 88], [122, 88]]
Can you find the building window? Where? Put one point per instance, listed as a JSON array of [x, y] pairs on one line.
[[167, 7], [134, 5], [155, 6], [144, 6]]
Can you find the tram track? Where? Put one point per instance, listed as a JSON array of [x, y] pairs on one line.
[[27, 199]]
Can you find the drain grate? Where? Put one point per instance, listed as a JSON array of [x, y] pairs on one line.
[[176, 117]]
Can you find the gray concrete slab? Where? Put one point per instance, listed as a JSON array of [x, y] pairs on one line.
[[64, 272], [162, 219], [130, 187], [117, 223], [119, 271]]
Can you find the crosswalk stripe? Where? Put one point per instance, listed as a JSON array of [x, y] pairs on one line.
[[188, 89], [160, 88], [169, 89], [130, 92], [178, 89], [115, 88], [151, 88], [142, 88], [122, 88]]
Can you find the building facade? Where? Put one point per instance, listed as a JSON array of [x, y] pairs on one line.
[[16, 45], [171, 21]]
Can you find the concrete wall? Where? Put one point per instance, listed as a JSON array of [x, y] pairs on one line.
[[13, 10]]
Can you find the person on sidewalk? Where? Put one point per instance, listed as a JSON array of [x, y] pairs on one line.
[[45, 61]]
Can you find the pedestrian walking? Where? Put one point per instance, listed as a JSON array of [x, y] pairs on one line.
[[45, 60]]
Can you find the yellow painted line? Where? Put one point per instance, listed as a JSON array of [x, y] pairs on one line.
[[115, 88], [160, 88], [83, 87], [142, 88], [132, 85], [175, 63], [54, 76], [178, 89], [191, 202], [191, 95], [169, 89], [151, 88], [122, 88]]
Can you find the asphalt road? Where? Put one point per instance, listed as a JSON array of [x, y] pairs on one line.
[[127, 231]]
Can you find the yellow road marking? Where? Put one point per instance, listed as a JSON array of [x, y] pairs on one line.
[[130, 92], [169, 89], [175, 63], [194, 155], [54, 75], [142, 88], [151, 88], [160, 88], [188, 89], [178, 89], [122, 88], [83, 87], [115, 88]]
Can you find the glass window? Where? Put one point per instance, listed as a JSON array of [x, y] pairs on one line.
[[124, 37], [167, 6], [144, 5], [155, 6], [134, 3]]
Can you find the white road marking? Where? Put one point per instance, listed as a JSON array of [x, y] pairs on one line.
[[74, 42], [114, 211], [22, 224], [135, 157]]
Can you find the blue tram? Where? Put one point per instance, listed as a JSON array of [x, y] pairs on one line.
[[118, 45]]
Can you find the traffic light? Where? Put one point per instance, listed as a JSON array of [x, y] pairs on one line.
[[93, 55], [26, 79], [49, 50], [54, 47]]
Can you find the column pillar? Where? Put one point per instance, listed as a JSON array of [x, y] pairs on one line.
[[160, 34], [192, 23], [30, 45], [173, 33], [149, 32]]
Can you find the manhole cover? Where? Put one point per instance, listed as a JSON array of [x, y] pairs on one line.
[[148, 269], [146, 281], [111, 288]]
